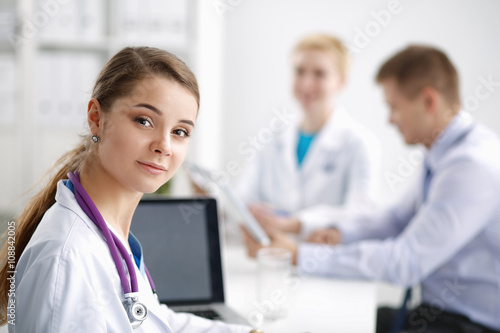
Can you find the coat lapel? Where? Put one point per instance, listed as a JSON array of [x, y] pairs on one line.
[[325, 146]]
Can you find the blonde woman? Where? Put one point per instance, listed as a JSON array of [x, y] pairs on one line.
[[72, 251], [324, 165]]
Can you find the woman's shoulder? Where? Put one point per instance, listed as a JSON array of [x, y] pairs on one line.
[[66, 229], [64, 267], [63, 234]]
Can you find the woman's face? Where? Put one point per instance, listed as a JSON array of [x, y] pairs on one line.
[[145, 135], [316, 79]]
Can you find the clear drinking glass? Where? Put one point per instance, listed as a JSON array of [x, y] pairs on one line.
[[273, 290]]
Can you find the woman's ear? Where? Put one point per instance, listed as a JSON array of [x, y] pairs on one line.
[[94, 116]]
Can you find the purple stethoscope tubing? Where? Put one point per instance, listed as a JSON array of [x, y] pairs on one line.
[[114, 243]]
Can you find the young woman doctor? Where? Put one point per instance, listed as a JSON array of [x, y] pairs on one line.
[[75, 268], [323, 166]]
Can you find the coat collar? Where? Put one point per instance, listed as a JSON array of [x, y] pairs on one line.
[[330, 137], [457, 129], [66, 198]]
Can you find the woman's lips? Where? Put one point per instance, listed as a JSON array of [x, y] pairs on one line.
[[152, 168]]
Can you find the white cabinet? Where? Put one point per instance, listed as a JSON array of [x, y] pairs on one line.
[[50, 54]]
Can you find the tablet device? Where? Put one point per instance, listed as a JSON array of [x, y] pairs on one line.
[[201, 176]]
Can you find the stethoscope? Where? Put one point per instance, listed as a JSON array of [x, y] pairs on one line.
[[136, 311]]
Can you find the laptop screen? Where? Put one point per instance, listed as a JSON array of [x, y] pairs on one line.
[[180, 240]]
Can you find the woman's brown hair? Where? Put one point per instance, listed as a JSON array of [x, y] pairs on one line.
[[119, 77]]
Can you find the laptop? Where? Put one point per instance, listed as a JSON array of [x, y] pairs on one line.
[[180, 241]]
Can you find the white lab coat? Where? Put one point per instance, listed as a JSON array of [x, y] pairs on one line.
[[338, 176], [67, 281]]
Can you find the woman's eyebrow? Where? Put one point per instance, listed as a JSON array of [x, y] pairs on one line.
[[148, 106], [189, 122], [152, 108]]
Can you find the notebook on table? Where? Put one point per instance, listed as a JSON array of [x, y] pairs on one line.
[[180, 240]]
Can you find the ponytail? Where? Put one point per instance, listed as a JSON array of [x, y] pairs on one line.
[[31, 216]]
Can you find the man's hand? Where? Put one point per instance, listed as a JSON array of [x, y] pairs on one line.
[[329, 236], [278, 240], [272, 222]]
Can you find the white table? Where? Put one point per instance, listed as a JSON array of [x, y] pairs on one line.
[[318, 304]]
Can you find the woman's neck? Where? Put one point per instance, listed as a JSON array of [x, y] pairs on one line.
[[115, 203], [315, 120]]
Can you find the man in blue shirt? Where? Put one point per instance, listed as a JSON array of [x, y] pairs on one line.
[[444, 234]]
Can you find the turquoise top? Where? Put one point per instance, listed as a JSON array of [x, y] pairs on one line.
[[305, 140]]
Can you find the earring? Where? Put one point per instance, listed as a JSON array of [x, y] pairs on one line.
[[95, 138]]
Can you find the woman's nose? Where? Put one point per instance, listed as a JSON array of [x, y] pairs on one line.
[[162, 146], [305, 82]]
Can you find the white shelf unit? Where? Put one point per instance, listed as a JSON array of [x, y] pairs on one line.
[[50, 72]]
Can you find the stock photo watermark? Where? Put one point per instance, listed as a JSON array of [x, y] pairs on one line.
[[283, 295], [381, 19], [275, 301], [221, 7], [188, 211], [281, 119], [423, 315], [90, 309], [11, 264], [278, 123], [405, 169], [30, 27], [482, 91]]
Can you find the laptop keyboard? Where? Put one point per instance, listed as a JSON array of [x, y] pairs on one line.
[[209, 314]]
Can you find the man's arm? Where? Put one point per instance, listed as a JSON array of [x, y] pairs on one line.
[[462, 201]]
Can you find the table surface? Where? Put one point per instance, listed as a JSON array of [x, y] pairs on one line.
[[317, 304]]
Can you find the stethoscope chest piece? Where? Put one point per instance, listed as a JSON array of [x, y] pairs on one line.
[[136, 311]]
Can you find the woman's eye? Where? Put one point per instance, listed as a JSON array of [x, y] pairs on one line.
[[182, 133], [144, 121]]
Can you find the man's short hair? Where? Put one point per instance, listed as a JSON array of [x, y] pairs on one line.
[[417, 67]]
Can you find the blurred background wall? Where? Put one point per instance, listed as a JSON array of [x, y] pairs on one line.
[[259, 36]]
